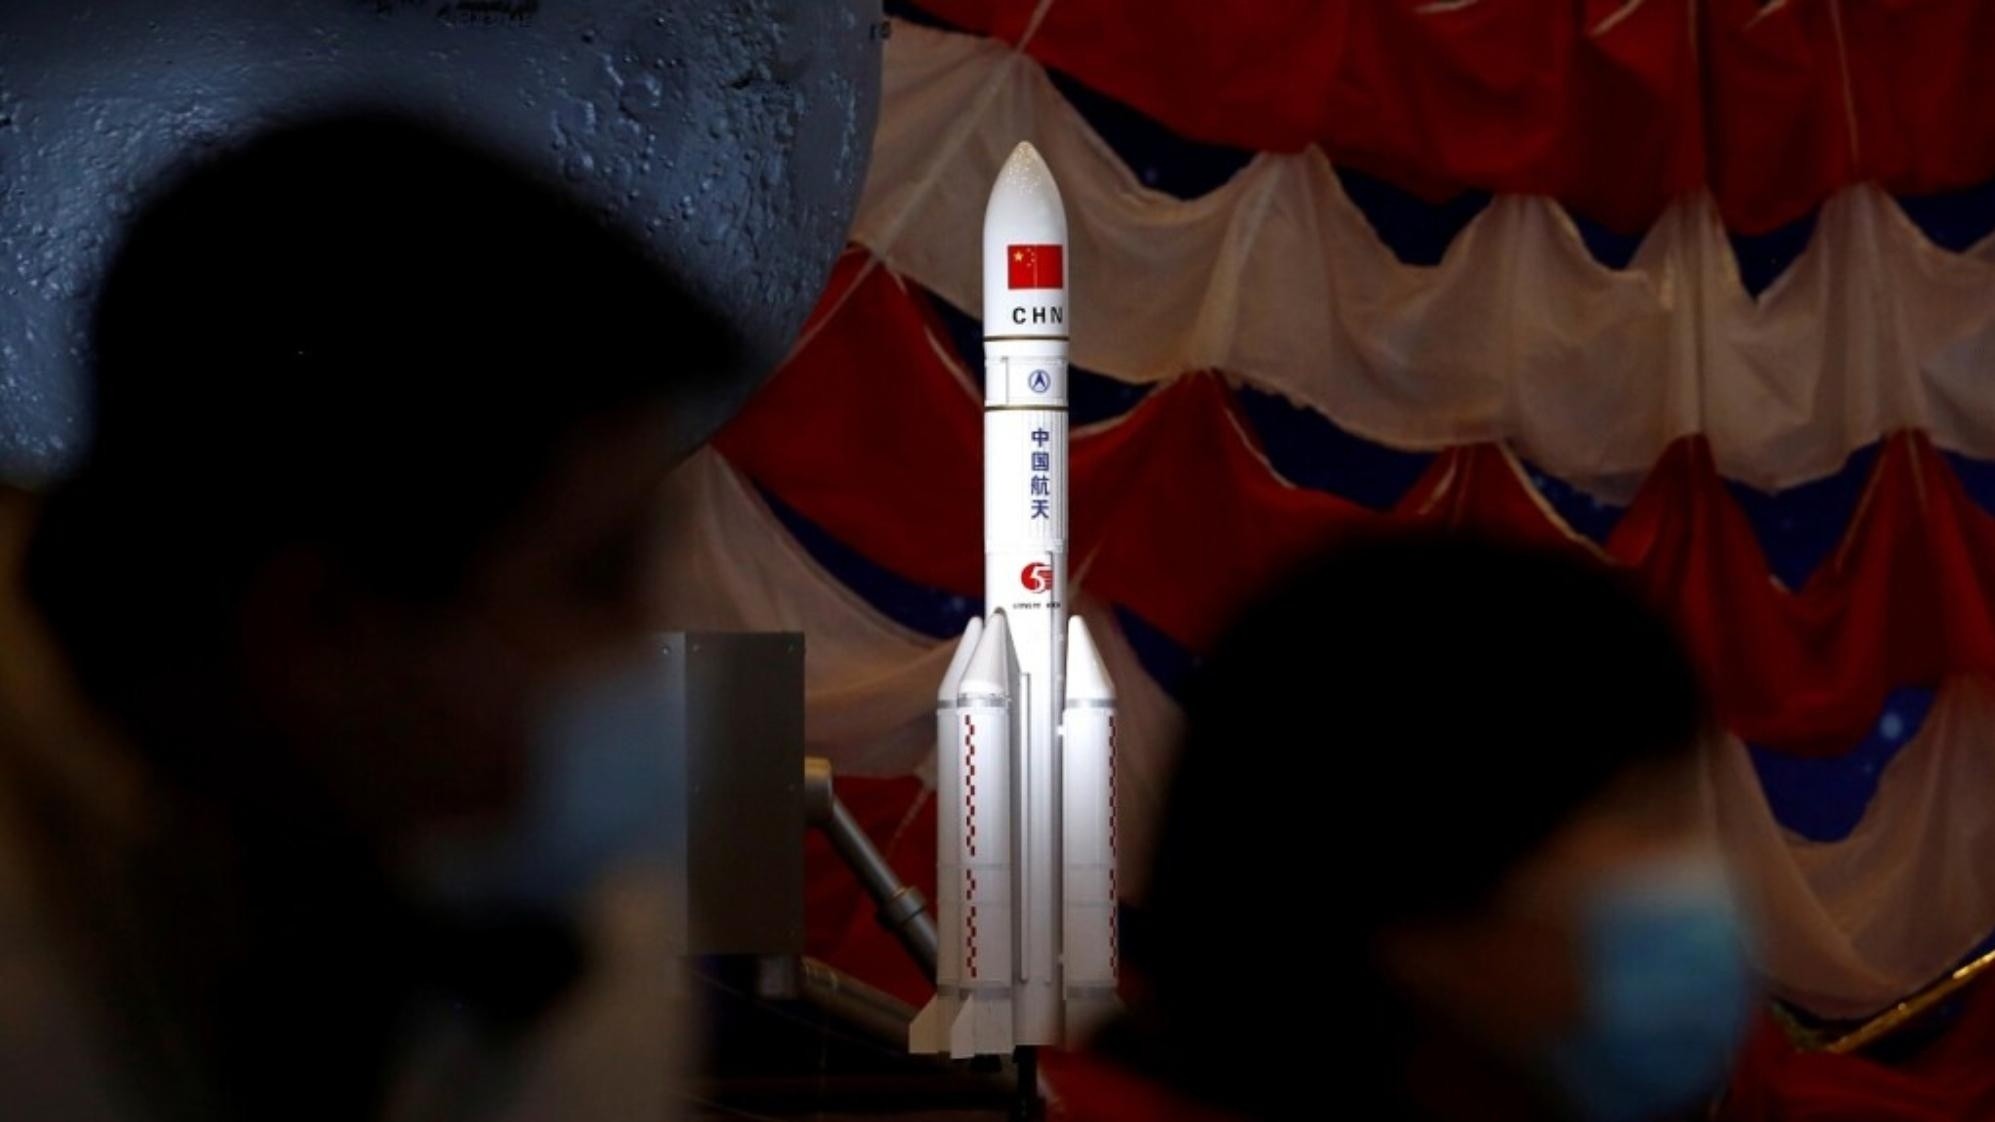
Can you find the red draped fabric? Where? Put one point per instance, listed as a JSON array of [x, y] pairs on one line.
[[1612, 106], [872, 434], [839, 922], [1905, 599], [1950, 1080], [1177, 517], [1479, 488]]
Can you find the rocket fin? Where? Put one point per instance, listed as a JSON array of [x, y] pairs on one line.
[[924, 1036], [982, 1028]]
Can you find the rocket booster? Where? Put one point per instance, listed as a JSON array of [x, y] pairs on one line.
[[1025, 774]]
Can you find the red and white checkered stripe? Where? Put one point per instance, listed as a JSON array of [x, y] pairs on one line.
[[970, 842], [1114, 893]]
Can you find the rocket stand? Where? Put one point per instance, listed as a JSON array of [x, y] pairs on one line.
[[1025, 1106]]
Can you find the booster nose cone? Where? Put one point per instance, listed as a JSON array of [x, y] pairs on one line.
[[1025, 250], [987, 676], [952, 678], [1087, 677]]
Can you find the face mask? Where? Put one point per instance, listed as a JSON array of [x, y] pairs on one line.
[[1667, 994], [598, 794]]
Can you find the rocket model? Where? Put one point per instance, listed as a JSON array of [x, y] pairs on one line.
[[1025, 718]]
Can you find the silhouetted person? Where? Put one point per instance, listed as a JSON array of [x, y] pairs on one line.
[[1435, 851], [372, 499]]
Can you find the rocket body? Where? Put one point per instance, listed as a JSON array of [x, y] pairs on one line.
[[1025, 581], [1025, 535]]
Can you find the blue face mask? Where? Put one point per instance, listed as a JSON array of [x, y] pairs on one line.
[[1667, 995], [598, 792]]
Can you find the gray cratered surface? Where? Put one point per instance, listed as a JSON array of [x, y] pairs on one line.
[[733, 134]]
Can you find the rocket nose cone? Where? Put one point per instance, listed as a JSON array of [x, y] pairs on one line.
[[1025, 201], [1087, 676], [1025, 160]]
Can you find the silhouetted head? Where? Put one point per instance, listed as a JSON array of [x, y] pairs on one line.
[[379, 424], [1414, 776]]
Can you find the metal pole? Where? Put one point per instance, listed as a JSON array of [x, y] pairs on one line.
[[902, 908], [875, 1011]]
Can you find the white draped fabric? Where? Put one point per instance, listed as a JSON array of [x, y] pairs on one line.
[[1518, 334], [1852, 925], [869, 683]]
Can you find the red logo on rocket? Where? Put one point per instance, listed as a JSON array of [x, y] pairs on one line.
[[1036, 266], [1037, 577]]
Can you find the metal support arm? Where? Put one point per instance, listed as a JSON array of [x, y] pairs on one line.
[[902, 908]]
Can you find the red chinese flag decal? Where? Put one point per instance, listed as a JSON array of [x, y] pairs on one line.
[[1036, 266]]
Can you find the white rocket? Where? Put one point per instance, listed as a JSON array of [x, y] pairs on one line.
[[1025, 718]]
